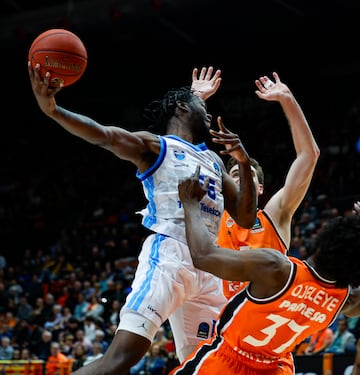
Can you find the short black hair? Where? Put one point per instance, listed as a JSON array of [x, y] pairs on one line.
[[158, 112], [337, 250], [253, 162]]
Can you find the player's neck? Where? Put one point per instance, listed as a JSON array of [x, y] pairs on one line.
[[179, 132]]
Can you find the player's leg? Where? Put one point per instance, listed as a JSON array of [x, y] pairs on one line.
[[125, 350], [195, 319]]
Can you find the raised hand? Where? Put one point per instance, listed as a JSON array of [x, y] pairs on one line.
[[271, 90], [231, 141], [44, 94], [206, 83]]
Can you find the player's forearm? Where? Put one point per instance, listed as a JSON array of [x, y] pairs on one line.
[[81, 126], [245, 213], [303, 138], [197, 235]]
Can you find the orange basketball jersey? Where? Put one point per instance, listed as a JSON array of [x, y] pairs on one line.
[[253, 335], [262, 234]]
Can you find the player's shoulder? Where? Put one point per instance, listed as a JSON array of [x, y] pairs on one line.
[[150, 140], [144, 134]]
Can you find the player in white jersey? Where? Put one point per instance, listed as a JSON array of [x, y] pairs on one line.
[[177, 158], [166, 284]]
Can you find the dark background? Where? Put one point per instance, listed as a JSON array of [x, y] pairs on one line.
[[137, 49]]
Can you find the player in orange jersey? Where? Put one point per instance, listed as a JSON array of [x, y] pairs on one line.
[[273, 224], [286, 300]]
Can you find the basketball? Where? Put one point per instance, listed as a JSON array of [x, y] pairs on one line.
[[60, 52]]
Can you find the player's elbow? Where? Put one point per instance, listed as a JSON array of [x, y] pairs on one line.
[[312, 155], [316, 153]]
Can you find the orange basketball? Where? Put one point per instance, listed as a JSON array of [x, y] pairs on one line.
[[60, 52]]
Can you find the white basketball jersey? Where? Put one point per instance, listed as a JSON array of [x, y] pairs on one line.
[[178, 159]]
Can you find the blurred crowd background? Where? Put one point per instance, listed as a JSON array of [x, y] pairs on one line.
[[69, 232]]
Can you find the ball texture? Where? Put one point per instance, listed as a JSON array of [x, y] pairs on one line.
[[60, 52]]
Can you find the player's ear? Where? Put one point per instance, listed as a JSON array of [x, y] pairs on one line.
[[182, 105], [261, 189]]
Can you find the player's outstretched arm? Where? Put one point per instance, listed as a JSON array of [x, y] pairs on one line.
[[286, 201], [124, 144]]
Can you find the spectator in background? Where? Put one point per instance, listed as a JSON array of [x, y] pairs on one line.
[[152, 363], [80, 338], [55, 359], [11, 319], [114, 312], [73, 325], [25, 354], [66, 342], [160, 337], [319, 342], [89, 328], [15, 290], [38, 307], [81, 307], [5, 330], [75, 288], [96, 353], [95, 308], [343, 340], [36, 332], [33, 289], [42, 348], [103, 280], [22, 334], [79, 355], [61, 266], [100, 338], [16, 354], [47, 312], [63, 297], [88, 290], [66, 315], [56, 324], [6, 349]]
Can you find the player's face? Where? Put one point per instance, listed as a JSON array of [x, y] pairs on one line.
[[199, 119], [234, 173]]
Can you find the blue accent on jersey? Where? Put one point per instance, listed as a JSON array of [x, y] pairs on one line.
[[159, 160], [153, 261]]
